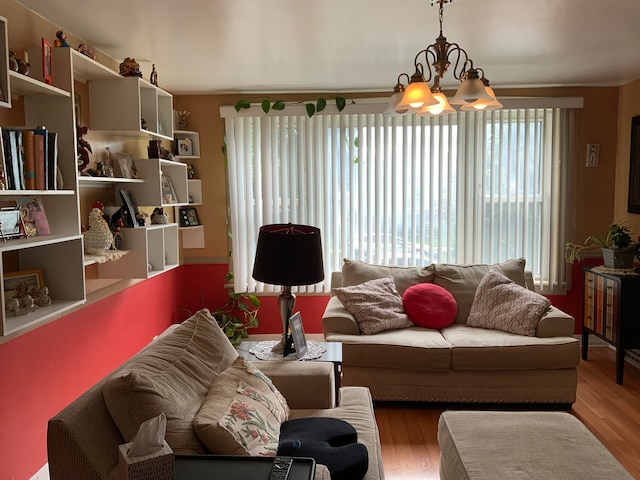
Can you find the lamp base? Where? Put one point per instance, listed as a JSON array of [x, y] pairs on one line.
[[285, 346]]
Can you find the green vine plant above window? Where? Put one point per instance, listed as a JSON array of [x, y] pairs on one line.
[[268, 104]]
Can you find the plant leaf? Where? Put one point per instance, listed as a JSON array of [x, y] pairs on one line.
[[356, 142], [311, 109], [243, 104], [278, 105], [340, 103], [321, 104], [229, 276], [266, 105], [255, 300]]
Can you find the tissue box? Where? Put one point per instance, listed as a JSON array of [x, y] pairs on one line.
[[157, 466]]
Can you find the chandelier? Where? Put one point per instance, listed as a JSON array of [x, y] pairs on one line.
[[474, 92]]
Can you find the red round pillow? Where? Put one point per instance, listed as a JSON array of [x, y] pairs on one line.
[[429, 305]]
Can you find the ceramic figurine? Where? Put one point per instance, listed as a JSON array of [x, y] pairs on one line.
[[158, 217], [84, 148], [13, 62], [98, 237], [153, 78], [23, 67], [61, 40], [44, 300], [130, 68], [83, 49], [191, 172], [107, 167]]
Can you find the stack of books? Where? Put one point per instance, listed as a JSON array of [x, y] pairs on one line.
[[29, 158]]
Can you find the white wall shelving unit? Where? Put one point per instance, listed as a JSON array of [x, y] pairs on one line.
[[58, 255], [153, 250], [118, 105], [150, 193], [194, 137]]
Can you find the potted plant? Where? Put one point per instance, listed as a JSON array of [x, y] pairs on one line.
[[239, 314], [618, 248]]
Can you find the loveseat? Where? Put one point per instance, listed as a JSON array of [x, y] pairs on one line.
[[456, 363], [179, 374]]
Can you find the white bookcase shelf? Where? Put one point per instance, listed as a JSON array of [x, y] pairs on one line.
[[153, 250], [151, 192], [193, 138], [120, 104]]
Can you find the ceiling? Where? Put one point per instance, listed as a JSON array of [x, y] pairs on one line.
[[258, 46]]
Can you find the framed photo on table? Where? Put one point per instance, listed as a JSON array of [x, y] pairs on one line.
[[130, 210], [297, 334], [127, 165]]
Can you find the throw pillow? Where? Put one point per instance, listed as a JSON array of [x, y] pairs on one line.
[[376, 305], [429, 306], [242, 413], [463, 280], [501, 304], [355, 272], [172, 375]]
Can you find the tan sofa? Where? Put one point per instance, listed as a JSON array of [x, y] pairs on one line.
[[457, 363], [173, 375]]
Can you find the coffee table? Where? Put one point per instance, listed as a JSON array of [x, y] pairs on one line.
[[332, 354]]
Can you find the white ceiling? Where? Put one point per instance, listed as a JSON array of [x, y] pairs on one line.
[[257, 46]]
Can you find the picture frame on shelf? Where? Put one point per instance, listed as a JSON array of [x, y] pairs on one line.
[[189, 217], [21, 282], [127, 166], [297, 335], [185, 147], [34, 217], [168, 190], [11, 225], [130, 211], [47, 69]]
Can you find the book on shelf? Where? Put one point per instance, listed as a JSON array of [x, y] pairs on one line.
[[30, 157]]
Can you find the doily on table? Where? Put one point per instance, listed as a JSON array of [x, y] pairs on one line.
[[263, 351], [615, 271]]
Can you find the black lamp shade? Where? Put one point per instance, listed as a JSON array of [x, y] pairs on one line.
[[289, 255]]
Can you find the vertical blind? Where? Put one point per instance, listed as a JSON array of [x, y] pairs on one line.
[[472, 187]]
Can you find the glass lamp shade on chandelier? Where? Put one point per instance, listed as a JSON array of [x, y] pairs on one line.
[[432, 63]]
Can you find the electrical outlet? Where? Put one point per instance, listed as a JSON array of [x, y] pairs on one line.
[[593, 154]]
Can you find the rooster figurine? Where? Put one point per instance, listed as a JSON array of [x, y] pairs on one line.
[[98, 237]]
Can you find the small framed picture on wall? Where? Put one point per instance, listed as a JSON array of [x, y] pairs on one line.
[[47, 70]]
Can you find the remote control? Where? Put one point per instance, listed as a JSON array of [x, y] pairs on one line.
[[280, 468]]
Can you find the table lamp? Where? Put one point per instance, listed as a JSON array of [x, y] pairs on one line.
[[288, 255]]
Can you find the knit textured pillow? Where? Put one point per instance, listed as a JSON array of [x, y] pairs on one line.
[[501, 304], [376, 305]]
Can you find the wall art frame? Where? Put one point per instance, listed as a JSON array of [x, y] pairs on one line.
[[633, 203]]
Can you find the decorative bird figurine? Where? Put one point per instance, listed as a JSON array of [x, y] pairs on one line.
[[98, 237], [158, 217]]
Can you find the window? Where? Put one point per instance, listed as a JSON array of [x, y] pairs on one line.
[[471, 187]]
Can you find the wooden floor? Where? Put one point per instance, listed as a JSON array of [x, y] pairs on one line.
[[408, 433]]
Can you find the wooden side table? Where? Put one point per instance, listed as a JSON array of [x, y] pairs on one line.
[[611, 311], [332, 354]]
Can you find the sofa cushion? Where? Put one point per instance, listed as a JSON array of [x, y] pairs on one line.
[[172, 375], [484, 349], [242, 413], [376, 305], [429, 305], [501, 304], [463, 280], [413, 349], [355, 272]]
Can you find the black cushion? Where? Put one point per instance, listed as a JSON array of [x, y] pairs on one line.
[[330, 441]]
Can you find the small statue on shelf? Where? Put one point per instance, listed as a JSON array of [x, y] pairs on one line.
[[61, 40], [107, 167], [84, 148], [130, 68], [98, 237], [44, 300], [158, 217], [153, 78], [83, 49], [191, 172]]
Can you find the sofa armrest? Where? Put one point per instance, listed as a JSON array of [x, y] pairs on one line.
[[555, 323], [303, 384], [336, 319]]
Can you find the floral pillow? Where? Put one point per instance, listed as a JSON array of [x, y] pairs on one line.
[[242, 413]]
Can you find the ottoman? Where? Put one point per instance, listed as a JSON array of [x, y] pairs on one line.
[[478, 445]]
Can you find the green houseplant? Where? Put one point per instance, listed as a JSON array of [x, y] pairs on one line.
[[238, 315], [617, 245]]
